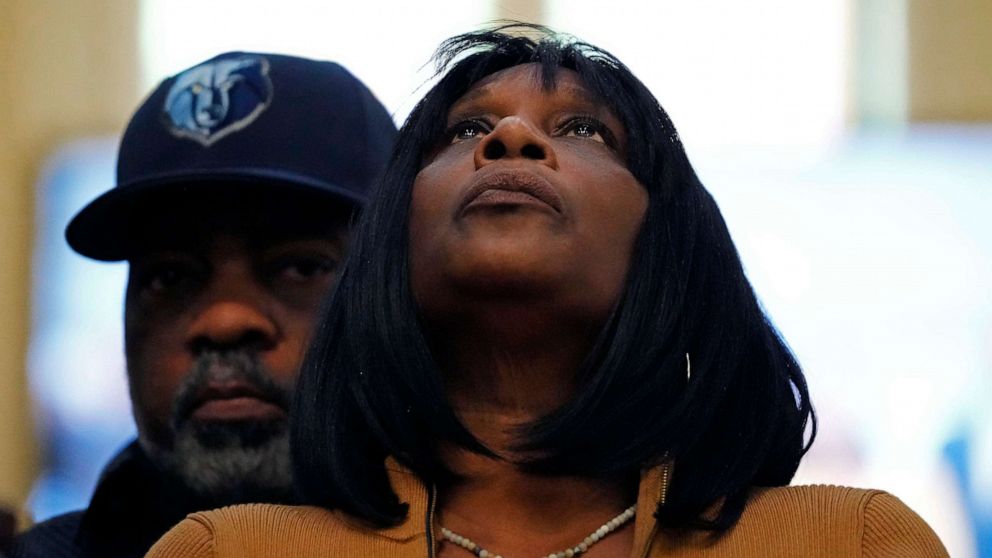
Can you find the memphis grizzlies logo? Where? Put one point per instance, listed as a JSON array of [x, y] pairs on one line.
[[215, 99]]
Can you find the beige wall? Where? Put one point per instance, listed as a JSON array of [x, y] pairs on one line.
[[67, 68], [531, 11], [15, 449], [950, 60], [921, 60]]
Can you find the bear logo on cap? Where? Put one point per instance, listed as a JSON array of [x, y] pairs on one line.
[[217, 98]]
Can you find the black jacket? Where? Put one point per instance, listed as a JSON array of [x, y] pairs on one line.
[[133, 506]]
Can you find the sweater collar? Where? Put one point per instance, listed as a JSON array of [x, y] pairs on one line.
[[412, 490]]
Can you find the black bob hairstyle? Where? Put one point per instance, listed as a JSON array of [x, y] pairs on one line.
[[369, 387]]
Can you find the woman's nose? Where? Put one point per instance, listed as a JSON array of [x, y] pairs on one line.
[[515, 138]]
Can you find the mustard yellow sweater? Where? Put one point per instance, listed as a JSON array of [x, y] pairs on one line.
[[801, 521]]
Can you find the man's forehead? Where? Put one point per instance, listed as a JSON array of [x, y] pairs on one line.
[[257, 223], [253, 238]]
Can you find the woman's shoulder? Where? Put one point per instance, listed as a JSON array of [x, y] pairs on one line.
[[263, 518], [251, 530], [244, 531], [822, 501], [871, 522], [815, 522]]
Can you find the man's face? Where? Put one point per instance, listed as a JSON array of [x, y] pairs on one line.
[[218, 316]]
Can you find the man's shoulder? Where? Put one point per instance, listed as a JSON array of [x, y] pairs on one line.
[[53, 537], [123, 518]]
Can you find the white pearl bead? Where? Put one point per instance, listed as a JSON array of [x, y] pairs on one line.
[[593, 538]]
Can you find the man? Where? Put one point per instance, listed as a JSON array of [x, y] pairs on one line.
[[237, 180]]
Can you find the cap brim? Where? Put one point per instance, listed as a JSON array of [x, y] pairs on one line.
[[107, 228]]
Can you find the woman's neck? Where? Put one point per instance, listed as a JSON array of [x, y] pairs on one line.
[[498, 382], [514, 513], [494, 388], [511, 366]]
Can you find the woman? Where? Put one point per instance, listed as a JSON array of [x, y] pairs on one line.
[[543, 343]]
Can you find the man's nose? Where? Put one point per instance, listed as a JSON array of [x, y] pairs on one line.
[[515, 138], [230, 320]]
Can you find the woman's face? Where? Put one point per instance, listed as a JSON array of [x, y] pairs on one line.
[[527, 195]]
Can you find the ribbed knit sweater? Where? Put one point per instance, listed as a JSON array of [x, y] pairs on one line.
[[801, 521]]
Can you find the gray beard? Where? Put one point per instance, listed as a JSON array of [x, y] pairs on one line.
[[227, 463]]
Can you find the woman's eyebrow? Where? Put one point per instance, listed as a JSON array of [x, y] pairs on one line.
[[583, 95], [579, 94], [471, 96]]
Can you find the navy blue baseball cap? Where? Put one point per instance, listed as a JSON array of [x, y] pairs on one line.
[[268, 124]]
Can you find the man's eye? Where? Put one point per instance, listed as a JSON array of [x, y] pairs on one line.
[[163, 278], [466, 130], [301, 270]]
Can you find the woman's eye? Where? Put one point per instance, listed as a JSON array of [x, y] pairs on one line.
[[466, 130], [584, 128]]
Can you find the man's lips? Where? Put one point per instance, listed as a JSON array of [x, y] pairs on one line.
[[510, 187], [235, 401]]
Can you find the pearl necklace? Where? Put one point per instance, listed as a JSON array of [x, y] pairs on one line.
[[596, 536]]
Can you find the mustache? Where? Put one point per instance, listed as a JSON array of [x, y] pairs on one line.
[[240, 367]]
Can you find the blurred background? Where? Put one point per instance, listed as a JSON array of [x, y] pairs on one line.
[[849, 143]]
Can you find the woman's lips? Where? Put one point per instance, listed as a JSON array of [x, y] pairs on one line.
[[510, 187]]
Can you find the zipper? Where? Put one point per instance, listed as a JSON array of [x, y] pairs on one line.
[[661, 502], [664, 485], [431, 504]]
